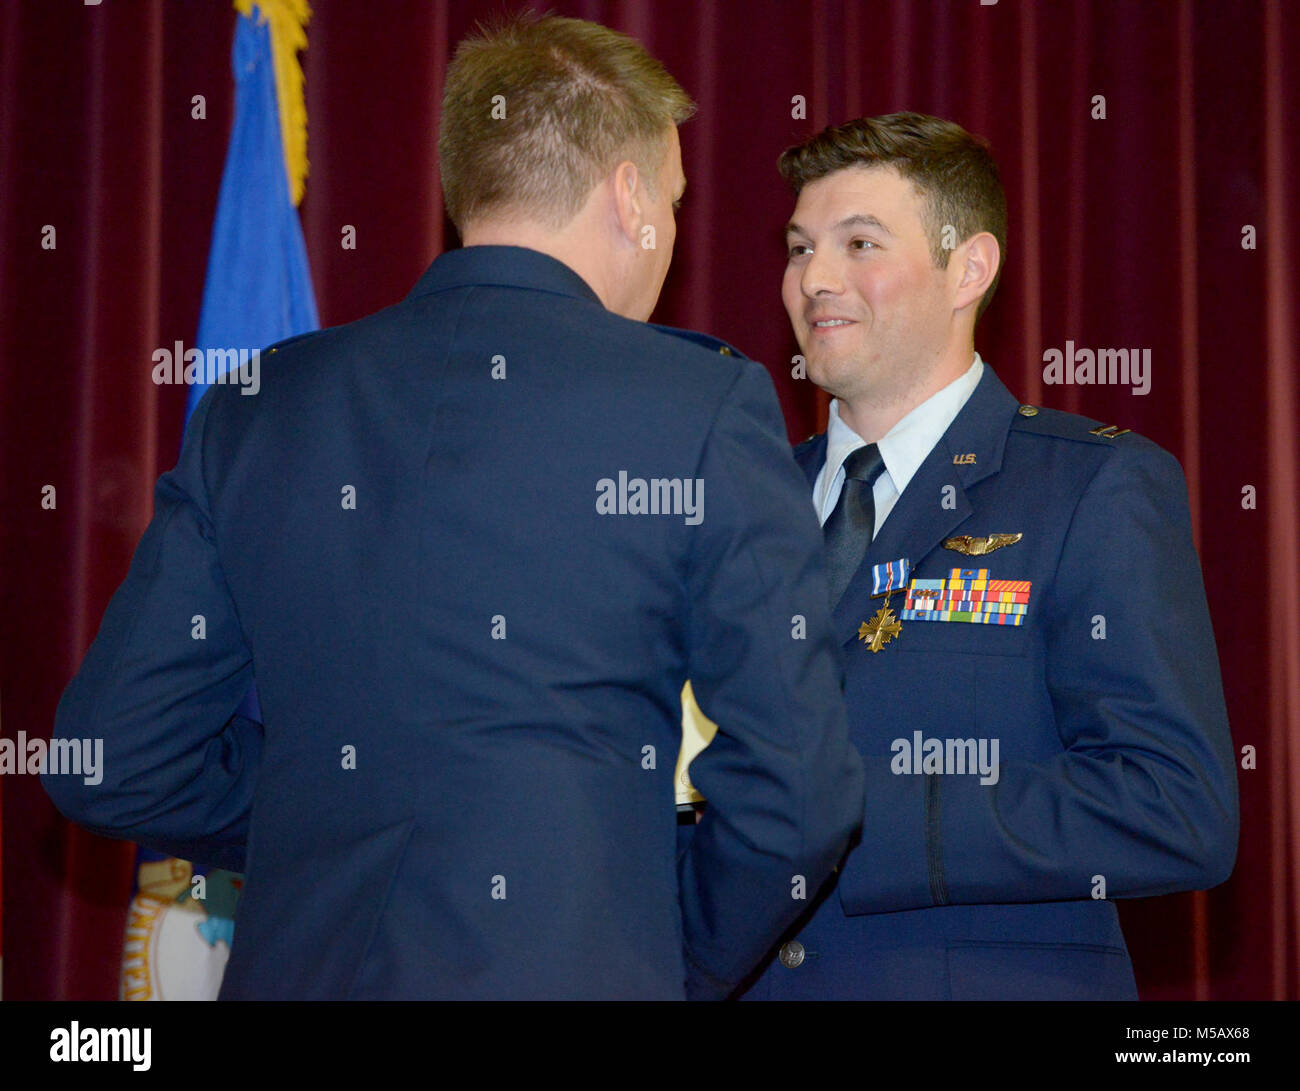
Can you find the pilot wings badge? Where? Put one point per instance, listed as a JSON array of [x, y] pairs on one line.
[[977, 547]]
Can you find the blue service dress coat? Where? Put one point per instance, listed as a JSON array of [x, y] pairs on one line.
[[469, 671], [1116, 768]]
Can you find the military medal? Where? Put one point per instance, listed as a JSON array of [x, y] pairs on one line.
[[880, 630], [967, 594], [884, 626]]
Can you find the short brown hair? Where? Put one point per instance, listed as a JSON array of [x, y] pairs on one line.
[[953, 171], [578, 98]]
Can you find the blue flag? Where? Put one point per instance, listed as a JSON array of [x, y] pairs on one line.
[[258, 288]]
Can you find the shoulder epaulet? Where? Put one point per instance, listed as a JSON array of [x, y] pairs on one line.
[[704, 340], [290, 340], [1053, 422]]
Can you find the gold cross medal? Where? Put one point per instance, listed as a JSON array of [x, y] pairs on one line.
[[884, 626]]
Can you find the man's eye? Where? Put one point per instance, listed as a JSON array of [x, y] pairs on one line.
[[798, 250], [862, 244]]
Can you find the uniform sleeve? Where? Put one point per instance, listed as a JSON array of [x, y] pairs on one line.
[[1144, 790], [783, 782], [160, 685]]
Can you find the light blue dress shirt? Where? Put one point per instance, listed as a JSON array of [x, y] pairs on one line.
[[903, 448]]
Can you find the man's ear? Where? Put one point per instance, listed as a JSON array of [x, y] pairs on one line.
[[627, 200], [979, 259]]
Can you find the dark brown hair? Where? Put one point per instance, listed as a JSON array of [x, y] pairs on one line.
[[953, 171], [578, 98]]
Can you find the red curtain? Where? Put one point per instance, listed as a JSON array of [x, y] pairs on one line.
[[1125, 231]]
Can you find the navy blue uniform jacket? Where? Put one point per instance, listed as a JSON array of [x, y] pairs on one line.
[[469, 675], [1117, 776]]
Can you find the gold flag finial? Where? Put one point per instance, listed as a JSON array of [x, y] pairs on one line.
[[288, 20]]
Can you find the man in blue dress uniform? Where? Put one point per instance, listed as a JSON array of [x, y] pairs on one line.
[[1031, 672], [471, 547]]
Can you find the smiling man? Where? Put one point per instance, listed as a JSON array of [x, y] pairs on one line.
[[1031, 672]]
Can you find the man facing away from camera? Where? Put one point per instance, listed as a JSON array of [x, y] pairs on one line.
[[471, 547], [1030, 667]]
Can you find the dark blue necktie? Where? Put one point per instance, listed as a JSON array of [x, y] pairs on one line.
[[849, 529]]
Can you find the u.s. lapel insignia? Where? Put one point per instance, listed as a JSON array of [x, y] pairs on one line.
[[977, 547], [884, 626]]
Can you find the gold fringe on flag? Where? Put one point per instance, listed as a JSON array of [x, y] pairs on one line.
[[288, 19]]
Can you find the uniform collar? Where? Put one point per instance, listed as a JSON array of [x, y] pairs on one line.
[[980, 428], [502, 266], [905, 447]]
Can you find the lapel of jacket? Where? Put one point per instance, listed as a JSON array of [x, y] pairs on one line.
[[934, 503], [810, 455]]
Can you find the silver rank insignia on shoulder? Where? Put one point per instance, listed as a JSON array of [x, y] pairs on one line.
[[977, 547]]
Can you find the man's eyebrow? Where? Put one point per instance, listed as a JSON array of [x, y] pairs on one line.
[[861, 220], [856, 220]]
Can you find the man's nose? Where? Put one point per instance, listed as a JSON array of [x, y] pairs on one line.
[[821, 277]]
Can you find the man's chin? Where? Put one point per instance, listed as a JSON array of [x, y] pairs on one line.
[[825, 372]]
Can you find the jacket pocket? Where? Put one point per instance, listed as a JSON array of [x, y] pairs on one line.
[[1039, 971]]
